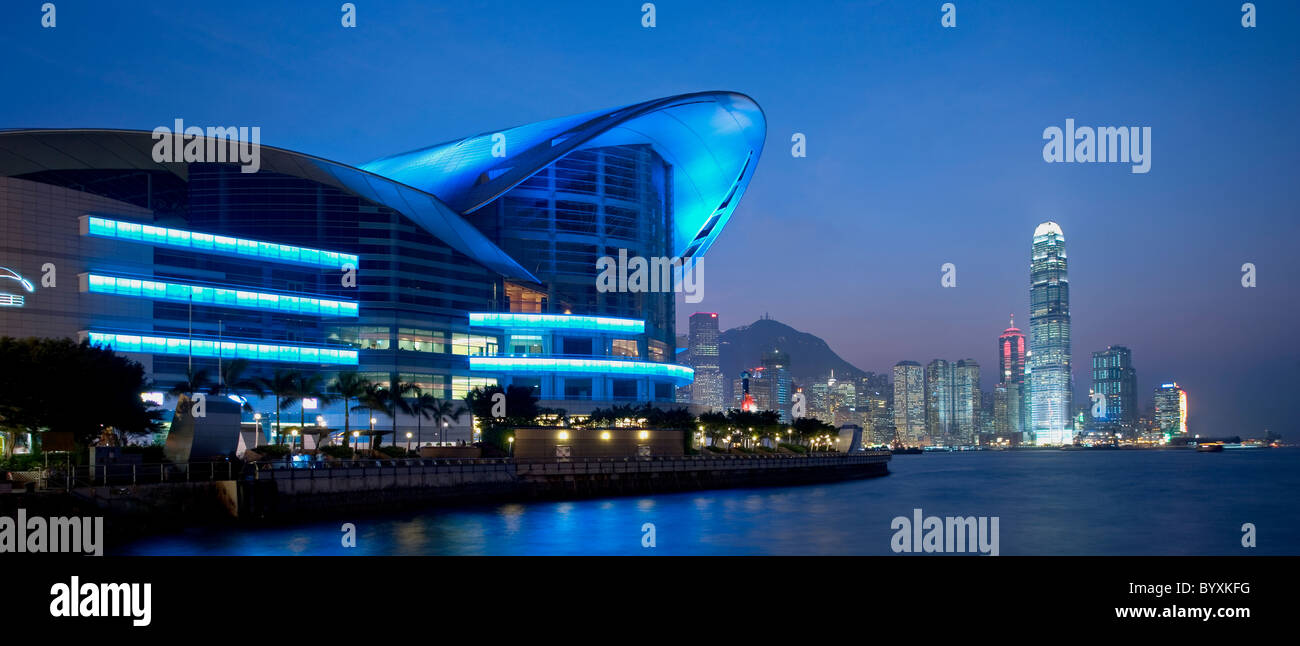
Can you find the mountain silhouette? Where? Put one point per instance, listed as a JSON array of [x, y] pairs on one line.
[[811, 359]]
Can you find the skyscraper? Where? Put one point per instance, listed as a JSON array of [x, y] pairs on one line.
[[1171, 409], [939, 399], [1050, 383], [1114, 377], [703, 344], [1009, 405], [1009, 410], [966, 402], [1011, 355], [909, 402], [776, 369]]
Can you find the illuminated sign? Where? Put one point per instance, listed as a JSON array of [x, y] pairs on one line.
[[14, 300]]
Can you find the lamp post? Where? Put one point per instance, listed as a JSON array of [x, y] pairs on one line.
[[511, 441], [408, 441], [370, 439], [293, 441]]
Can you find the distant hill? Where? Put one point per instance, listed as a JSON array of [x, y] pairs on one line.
[[741, 348]]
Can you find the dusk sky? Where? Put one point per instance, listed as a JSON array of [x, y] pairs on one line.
[[924, 147]]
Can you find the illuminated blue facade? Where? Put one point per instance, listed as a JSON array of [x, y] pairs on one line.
[[450, 266]]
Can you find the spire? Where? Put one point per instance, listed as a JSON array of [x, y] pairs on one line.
[[1013, 319]]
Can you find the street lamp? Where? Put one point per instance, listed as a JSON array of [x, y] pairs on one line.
[[408, 441], [293, 441]]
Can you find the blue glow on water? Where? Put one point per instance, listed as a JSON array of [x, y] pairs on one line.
[[1049, 502]]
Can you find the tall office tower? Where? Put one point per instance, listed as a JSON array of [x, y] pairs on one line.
[[1011, 355], [1114, 378], [909, 402], [939, 404], [1012, 413], [776, 369], [1171, 409], [1050, 383], [743, 398], [702, 342], [966, 402], [1009, 409]]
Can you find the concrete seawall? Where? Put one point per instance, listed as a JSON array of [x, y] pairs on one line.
[[335, 489], [295, 492]]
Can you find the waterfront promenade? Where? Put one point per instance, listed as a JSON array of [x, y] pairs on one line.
[[207, 492]]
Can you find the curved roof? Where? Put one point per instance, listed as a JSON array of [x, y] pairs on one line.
[[30, 151], [712, 140], [1048, 227]]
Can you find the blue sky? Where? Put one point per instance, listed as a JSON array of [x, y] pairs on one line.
[[924, 147]]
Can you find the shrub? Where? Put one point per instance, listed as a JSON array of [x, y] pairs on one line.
[[272, 450], [338, 452], [23, 462], [149, 454], [393, 451], [794, 447]]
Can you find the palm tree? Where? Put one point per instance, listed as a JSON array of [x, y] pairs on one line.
[[394, 400], [283, 384], [373, 398], [349, 385], [310, 385], [423, 406], [195, 381], [444, 410], [234, 382]]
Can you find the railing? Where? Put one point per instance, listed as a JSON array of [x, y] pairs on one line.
[[564, 466], [62, 477]]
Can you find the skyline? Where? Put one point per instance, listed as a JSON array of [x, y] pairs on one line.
[[924, 147]]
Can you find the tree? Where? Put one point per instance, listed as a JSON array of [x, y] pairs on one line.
[[808, 428], [66, 386], [234, 382], [349, 385], [715, 425], [372, 398], [391, 401], [443, 411], [283, 384], [423, 406], [309, 385], [521, 410], [196, 381]]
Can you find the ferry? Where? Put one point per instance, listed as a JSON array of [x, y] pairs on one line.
[[1211, 447]]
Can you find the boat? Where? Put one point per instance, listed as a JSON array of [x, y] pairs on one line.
[[1214, 447]]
